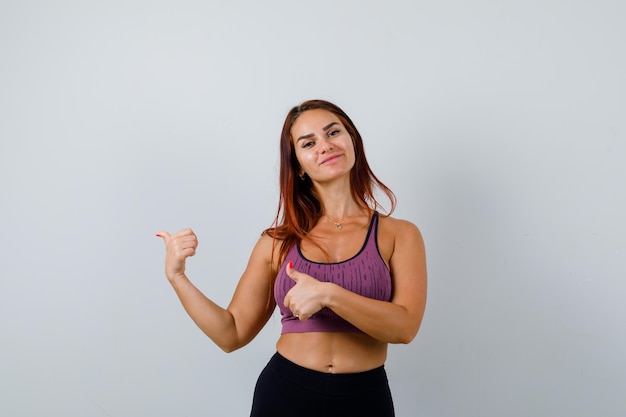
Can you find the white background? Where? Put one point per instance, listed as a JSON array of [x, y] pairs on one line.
[[500, 125]]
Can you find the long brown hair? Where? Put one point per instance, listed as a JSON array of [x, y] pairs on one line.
[[299, 208]]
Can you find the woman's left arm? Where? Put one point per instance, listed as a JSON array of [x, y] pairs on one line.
[[396, 321]]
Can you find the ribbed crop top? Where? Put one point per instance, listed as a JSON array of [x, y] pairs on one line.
[[365, 274]]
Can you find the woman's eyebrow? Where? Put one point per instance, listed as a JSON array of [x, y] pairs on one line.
[[329, 126], [310, 135]]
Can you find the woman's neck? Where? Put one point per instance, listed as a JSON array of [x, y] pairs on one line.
[[336, 199]]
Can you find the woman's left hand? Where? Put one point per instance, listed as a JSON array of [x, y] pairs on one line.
[[305, 298]]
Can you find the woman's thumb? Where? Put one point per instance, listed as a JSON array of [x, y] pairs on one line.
[[165, 235], [292, 273]]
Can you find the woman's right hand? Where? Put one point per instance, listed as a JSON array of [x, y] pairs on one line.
[[178, 247]]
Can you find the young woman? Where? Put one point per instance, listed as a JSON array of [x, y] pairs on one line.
[[347, 280]]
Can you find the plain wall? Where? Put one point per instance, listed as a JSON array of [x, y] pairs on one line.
[[499, 125]]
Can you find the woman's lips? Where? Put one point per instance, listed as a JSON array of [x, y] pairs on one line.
[[330, 158]]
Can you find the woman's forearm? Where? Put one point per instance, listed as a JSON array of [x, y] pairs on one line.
[[384, 321], [216, 322]]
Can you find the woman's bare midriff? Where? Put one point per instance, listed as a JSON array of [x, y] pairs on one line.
[[336, 353]]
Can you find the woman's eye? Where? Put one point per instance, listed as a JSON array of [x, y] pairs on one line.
[[307, 145], [333, 132]]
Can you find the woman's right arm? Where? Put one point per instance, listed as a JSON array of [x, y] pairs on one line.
[[252, 303]]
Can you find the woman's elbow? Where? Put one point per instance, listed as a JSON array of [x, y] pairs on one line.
[[228, 349], [404, 338], [407, 334]]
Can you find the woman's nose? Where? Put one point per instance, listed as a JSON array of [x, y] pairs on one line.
[[326, 145]]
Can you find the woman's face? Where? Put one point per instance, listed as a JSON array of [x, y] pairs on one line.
[[323, 146]]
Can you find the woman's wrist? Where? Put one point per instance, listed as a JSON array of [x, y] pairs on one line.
[[328, 295], [176, 279]]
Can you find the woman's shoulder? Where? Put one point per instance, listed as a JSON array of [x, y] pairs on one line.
[[268, 246], [399, 240], [399, 230], [397, 225], [267, 243]]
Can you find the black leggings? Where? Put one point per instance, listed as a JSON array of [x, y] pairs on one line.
[[285, 389]]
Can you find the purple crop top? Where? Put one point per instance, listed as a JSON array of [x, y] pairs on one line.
[[365, 273]]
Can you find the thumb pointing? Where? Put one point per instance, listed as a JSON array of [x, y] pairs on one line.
[[291, 272], [165, 235]]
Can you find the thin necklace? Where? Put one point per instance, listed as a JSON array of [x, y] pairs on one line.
[[338, 225]]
